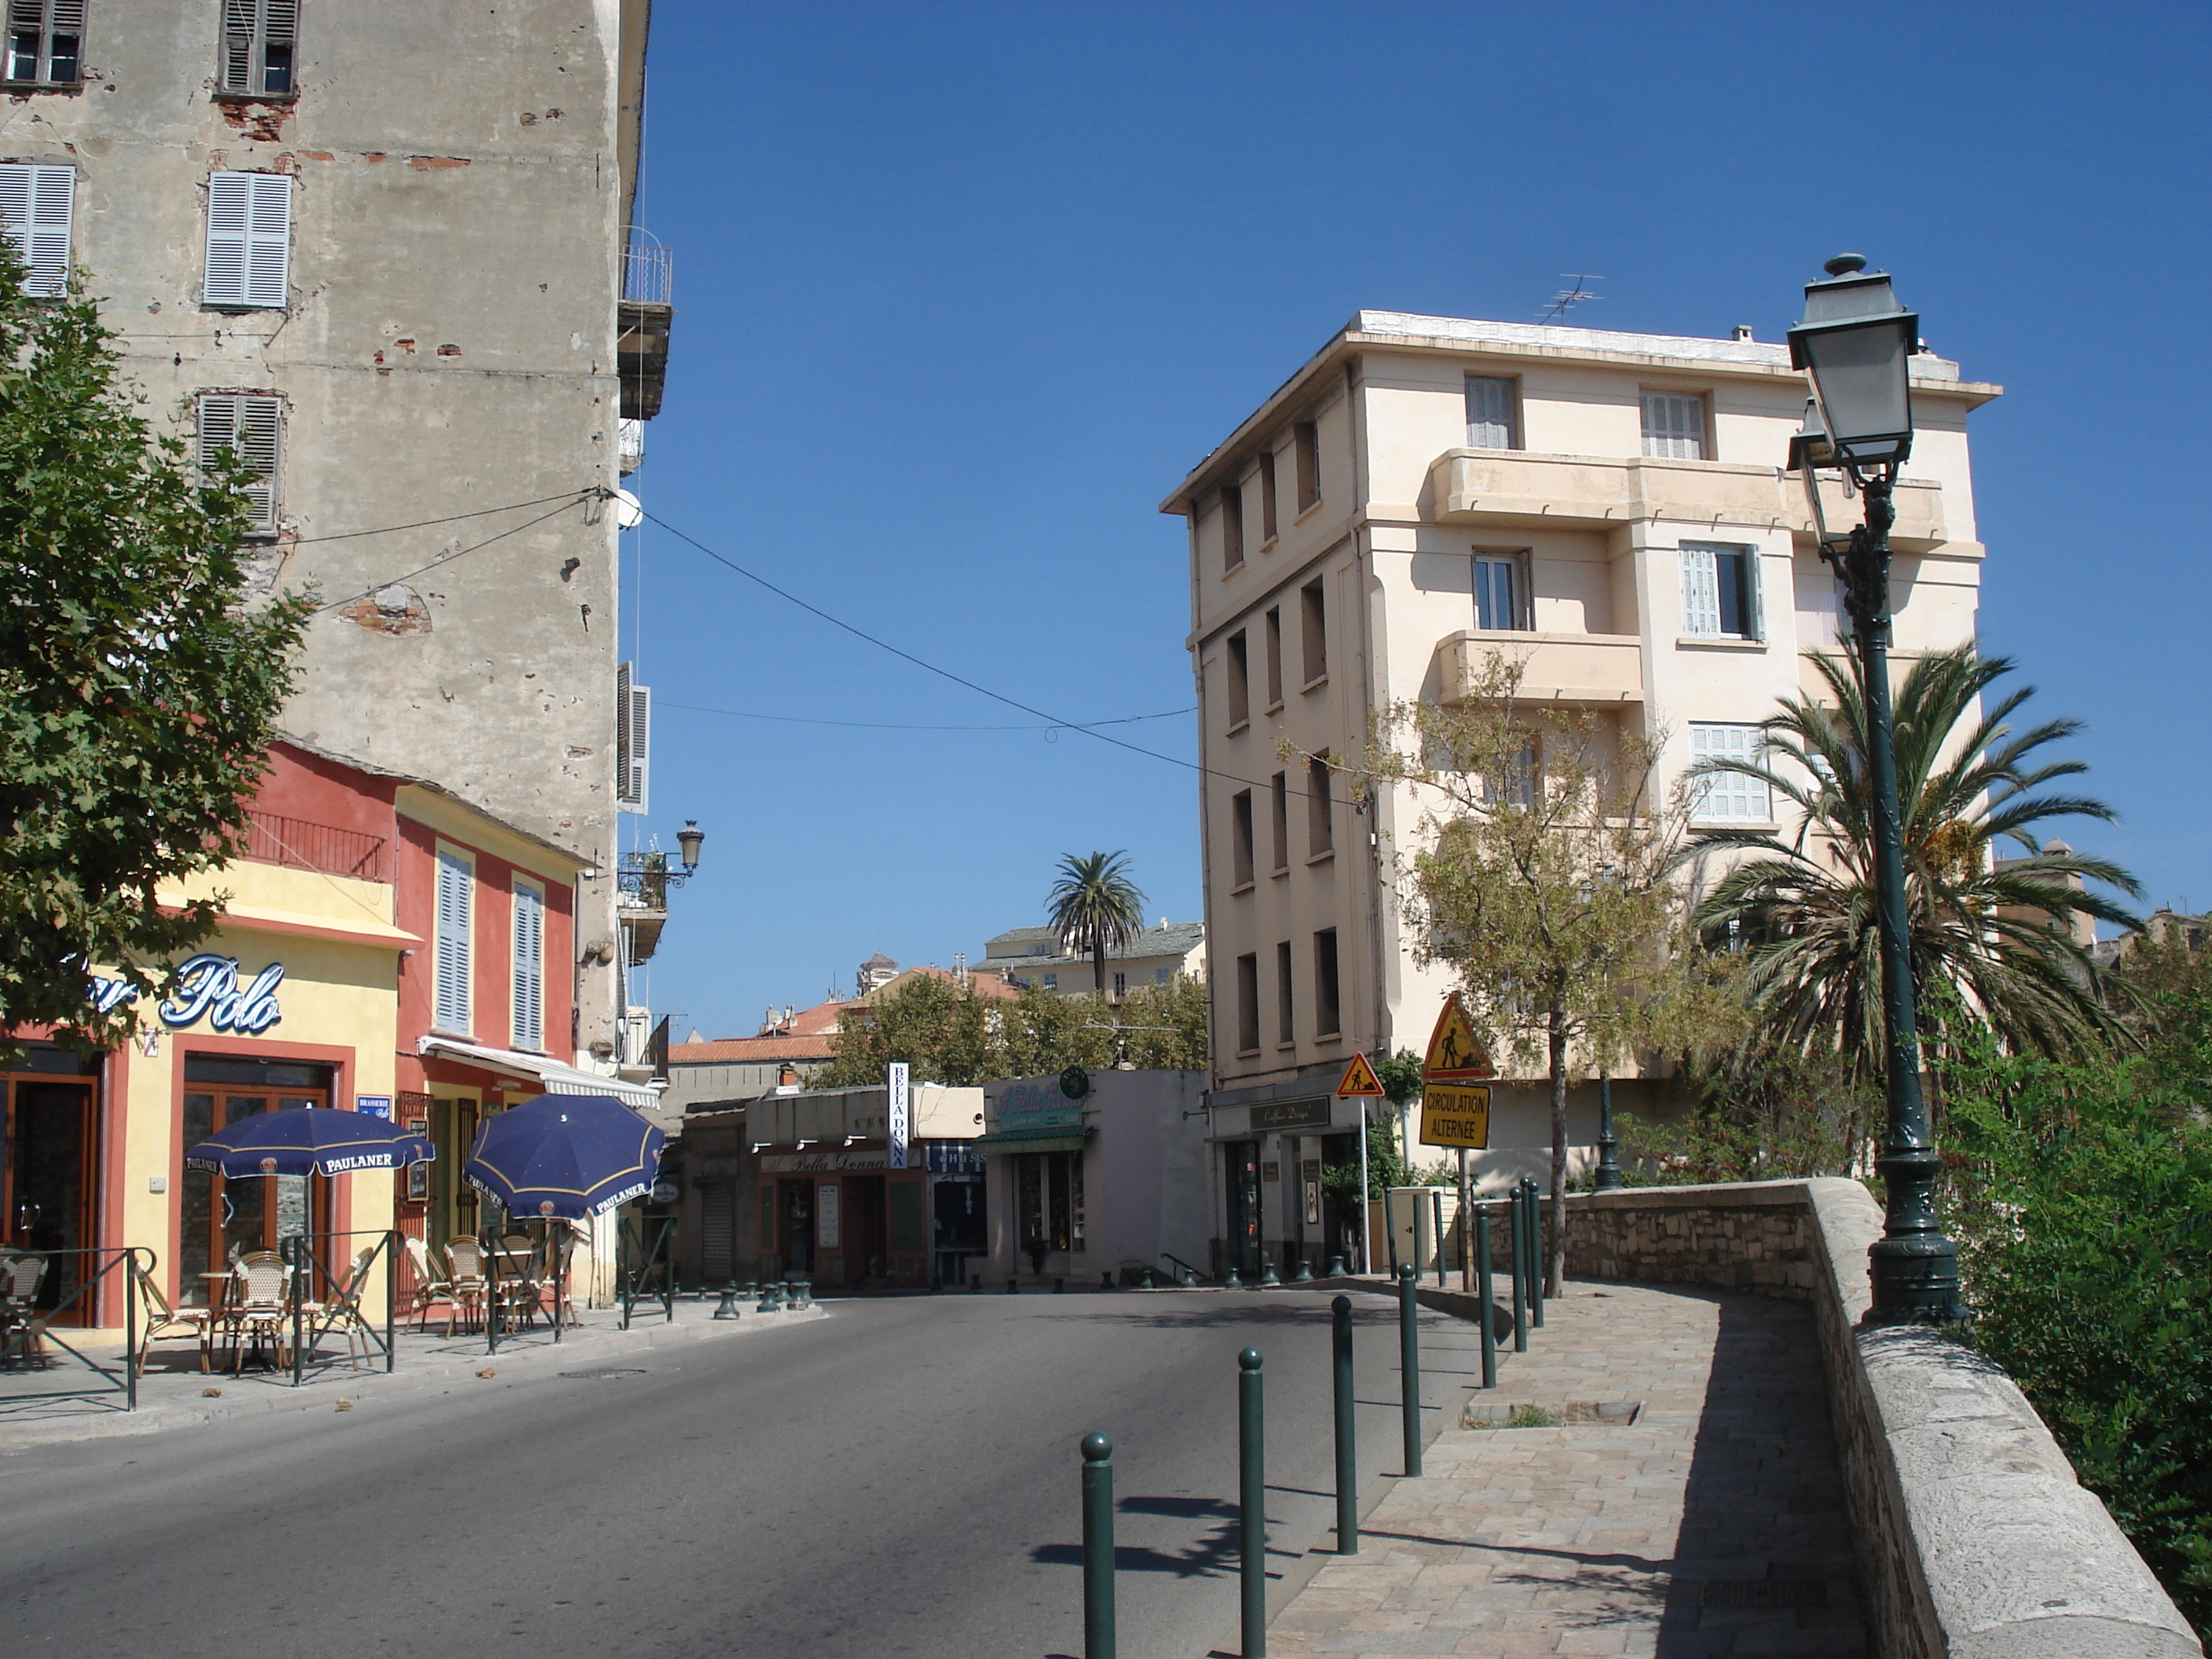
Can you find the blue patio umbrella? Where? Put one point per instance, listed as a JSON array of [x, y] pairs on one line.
[[307, 1140], [565, 1155]]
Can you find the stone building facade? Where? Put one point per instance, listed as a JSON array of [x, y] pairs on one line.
[[385, 265]]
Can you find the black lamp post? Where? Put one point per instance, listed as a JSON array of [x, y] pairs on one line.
[[688, 840], [1855, 343]]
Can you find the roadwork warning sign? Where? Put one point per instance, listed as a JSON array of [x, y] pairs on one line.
[[1456, 1054], [1360, 1080], [1455, 1115]]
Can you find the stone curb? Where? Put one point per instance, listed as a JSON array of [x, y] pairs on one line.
[[321, 1394]]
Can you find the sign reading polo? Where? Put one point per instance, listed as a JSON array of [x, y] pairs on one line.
[[207, 988]]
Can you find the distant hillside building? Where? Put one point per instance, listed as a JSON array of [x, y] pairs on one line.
[[1035, 955]]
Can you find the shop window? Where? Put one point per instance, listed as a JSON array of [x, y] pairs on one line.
[[222, 1219], [1048, 1196]]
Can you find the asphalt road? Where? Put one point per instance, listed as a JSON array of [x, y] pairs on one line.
[[898, 1479]]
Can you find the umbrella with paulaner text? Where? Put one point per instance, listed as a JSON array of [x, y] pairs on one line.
[[565, 1155]]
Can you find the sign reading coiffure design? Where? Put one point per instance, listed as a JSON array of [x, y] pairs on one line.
[[207, 988]]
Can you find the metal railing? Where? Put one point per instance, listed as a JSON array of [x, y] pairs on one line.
[[312, 1276], [298, 844], [497, 1309], [21, 1335], [647, 275], [639, 1264]]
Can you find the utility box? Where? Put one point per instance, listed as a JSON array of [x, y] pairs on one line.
[[1413, 1219]]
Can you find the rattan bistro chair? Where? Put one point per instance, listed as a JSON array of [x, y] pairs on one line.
[[264, 1306], [465, 1291], [21, 1275], [430, 1286], [162, 1320]]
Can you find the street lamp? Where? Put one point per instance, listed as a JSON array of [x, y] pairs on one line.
[[688, 839], [1855, 343]]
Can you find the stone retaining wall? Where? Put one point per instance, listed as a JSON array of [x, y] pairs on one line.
[[1976, 1540]]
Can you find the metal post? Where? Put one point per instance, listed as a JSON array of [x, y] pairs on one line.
[[1347, 1443], [1459, 1222], [1098, 1547], [1520, 1237], [1535, 1253], [1608, 1144], [1366, 1203], [131, 1331], [1437, 1231], [1914, 1267], [392, 1247], [1252, 1502], [491, 1299], [1409, 1367], [1390, 1229], [299, 1314], [1483, 1294]]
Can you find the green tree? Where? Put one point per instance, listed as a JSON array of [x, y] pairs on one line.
[[2080, 1196], [1538, 872], [1162, 1027], [941, 1029], [140, 682], [1095, 908], [2001, 932]]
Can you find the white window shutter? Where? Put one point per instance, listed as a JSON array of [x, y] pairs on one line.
[[34, 215], [632, 741], [1674, 426], [249, 241], [1701, 592], [1754, 595], [238, 20], [456, 882], [251, 427], [1727, 796], [529, 967]]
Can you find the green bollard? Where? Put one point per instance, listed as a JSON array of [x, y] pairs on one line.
[[727, 1307], [1304, 1275], [768, 1297], [1437, 1231], [1520, 1269], [1252, 1502], [1482, 1287], [1267, 1279], [1336, 1266], [1409, 1365], [1535, 1255], [1098, 1547], [1347, 1445], [1233, 1282]]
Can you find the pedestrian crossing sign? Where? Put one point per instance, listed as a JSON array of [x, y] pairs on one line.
[[1359, 1078], [1456, 1054]]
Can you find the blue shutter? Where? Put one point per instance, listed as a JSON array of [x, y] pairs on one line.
[[529, 967], [456, 893]]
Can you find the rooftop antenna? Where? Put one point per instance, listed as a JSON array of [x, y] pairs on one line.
[[1568, 298]]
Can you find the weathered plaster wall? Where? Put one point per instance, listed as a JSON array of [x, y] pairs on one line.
[[448, 347], [1976, 1540]]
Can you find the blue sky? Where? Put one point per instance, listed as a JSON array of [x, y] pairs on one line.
[[963, 290]]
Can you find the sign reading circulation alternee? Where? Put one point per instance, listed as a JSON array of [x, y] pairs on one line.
[[1455, 1101]]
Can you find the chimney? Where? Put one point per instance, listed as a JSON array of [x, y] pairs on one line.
[[1743, 331], [787, 1077], [960, 968]]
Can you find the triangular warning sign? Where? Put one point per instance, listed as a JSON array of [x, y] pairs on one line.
[[1456, 1054], [1359, 1078]]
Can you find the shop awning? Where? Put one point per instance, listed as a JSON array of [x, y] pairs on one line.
[[1032, 1140], [550, 1075]]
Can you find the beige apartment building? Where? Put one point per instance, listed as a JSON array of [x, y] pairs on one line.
[[1610, 509]]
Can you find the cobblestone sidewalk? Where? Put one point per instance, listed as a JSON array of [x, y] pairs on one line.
[[1712, 1525]]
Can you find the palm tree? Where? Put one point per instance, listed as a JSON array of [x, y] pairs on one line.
[[1096, 908], [1998, 932]]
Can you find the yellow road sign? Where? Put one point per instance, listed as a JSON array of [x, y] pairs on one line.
[[1455, 1115], [1456, 1054], [1359, 1078]]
